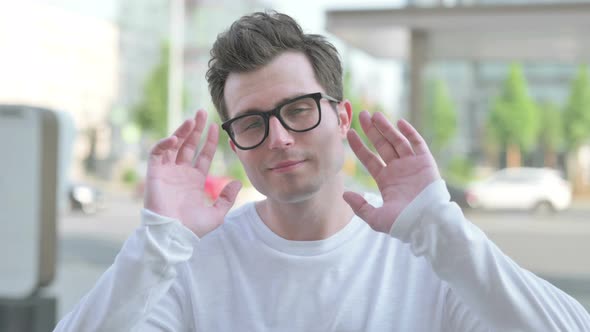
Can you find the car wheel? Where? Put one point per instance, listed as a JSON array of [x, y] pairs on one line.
[[543, 208]]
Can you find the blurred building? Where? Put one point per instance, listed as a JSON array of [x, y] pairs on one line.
[[205, 19], [92, 59], [469, 45], [143, 28], [475, 84], [145, 32], [57, 59]]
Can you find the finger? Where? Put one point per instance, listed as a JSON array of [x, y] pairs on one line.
[[359, 205], [181, 133], [159, 153], [416, 140], [393, 136], [205, 156], [187, 151], [381, 144], [371, 162], [227, 196]]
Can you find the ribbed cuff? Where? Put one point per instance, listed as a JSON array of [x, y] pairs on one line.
[[434, 193], [177, 230]]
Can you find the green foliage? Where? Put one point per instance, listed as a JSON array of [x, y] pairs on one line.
[[577, 111], [356, 102], [150, 113], [441, 116], [130, 176], [236, 171], [551, 133], [514, 118], [358, 105], [223, 145], [365, 180], [361, 176], [233, 167], [460, 170]]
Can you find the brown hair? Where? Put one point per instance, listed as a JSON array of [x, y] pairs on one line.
[[255, 40]]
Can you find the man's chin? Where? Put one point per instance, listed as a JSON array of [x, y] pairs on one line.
[[292, 195]]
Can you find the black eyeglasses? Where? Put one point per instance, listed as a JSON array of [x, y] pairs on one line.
[[299, 114]]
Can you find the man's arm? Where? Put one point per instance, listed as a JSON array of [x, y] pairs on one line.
[[143, 272], [177, 213], [417, 210], [492, 286]]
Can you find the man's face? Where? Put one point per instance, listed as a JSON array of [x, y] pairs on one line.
[[288, 166]]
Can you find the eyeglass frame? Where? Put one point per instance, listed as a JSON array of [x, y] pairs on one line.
[[316, 96]]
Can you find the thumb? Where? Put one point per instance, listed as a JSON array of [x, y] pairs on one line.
[[359, 205], [227, 196]]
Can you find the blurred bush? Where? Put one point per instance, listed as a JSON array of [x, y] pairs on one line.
[[459, 170], [130, 177]]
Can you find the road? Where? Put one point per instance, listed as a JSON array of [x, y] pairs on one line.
[[549, 245], [554, 247]]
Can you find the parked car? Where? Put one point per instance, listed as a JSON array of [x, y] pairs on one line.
[[523, 188], [85, 198], [458, 194]]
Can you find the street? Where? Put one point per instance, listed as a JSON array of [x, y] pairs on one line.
[[554, 246]]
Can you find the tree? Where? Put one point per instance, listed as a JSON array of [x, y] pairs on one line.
[[150, 113], [514, 119], [577, 121], [551, 133], [441, 116], [358, 104], [355, 100], [90, 162]]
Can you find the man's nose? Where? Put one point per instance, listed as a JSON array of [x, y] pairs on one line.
[[279, 137]]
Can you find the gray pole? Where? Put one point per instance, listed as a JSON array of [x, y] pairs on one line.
[[418, 49], [176, 65]]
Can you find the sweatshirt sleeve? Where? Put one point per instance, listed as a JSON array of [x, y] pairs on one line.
[[494, 288], [143, 272]]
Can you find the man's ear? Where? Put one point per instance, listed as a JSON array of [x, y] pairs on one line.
[[344, 116]]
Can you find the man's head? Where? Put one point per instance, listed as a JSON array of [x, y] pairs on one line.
[[264, 70], [255, 40]]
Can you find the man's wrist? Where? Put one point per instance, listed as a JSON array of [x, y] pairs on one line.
[[430, 196]]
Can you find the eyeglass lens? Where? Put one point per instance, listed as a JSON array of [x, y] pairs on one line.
[[299, 115]]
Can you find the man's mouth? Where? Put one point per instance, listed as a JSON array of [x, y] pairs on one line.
[[286, 165]]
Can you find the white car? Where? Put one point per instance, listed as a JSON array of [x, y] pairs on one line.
[[534, 189]]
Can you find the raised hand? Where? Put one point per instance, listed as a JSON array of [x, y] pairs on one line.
[[403, 167], [175, 186]]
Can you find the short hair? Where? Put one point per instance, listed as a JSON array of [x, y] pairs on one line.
[[255, 40]]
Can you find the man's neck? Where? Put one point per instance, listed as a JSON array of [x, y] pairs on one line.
[[316, 218]]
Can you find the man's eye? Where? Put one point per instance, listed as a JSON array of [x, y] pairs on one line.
[[298, 111], [249, 125], [254, 125]]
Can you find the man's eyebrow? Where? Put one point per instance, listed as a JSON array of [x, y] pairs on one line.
[[247, 111], [280, 102]]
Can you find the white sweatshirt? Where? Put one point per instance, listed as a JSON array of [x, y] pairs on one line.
[[435, 272]]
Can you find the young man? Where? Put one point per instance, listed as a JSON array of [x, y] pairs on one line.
[[311, 256]]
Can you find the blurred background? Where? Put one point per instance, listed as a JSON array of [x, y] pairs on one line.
[[500, 89]]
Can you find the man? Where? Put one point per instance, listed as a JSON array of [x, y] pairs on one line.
[[312, 256]]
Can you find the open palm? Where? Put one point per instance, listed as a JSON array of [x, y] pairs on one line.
[[403, 167], [175, 185]]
